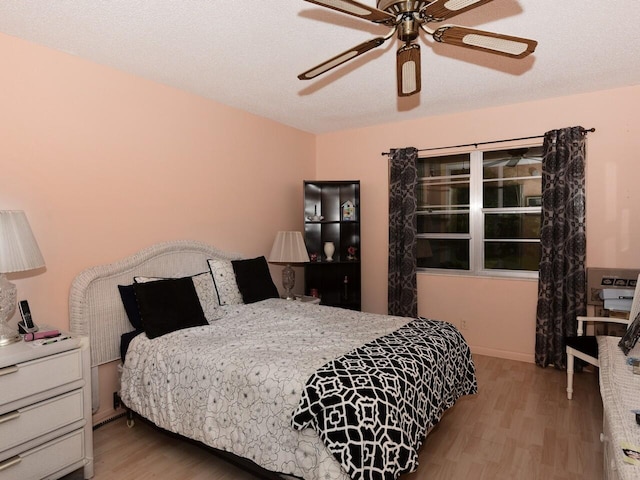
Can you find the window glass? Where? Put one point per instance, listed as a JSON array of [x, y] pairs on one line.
[[511, 256], [518, 226], [480, 211], [443, 253], [436, 222]]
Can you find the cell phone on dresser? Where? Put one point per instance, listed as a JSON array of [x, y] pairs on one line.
[[25, 313]]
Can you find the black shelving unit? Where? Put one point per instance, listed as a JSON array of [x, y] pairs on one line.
[[332, 214]]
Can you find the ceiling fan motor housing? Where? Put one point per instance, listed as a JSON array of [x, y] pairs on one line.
[[408, 29], [398, 7], [405, 12]]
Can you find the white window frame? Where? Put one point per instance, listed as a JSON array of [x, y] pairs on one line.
[[476, 218]]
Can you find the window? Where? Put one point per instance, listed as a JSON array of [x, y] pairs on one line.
[[479, 212]]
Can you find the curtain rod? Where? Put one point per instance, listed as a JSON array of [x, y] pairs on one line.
[[584, 130]]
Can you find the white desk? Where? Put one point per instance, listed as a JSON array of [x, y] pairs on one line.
[[620, 391]]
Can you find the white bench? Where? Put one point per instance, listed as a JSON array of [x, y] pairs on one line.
[[620, 391]]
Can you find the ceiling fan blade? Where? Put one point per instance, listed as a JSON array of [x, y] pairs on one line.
[[408, 69], [516, 47], [356, 9], [513, 162], [342, 58], [440, 10]]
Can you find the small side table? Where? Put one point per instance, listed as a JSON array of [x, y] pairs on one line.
[[45, 407]]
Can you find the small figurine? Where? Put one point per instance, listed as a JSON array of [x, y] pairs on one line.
[[348, 210], [351, 253]]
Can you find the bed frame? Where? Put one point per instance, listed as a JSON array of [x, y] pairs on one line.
[[96, 310]]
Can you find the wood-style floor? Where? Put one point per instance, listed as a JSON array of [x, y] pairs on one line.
[[519, 426]]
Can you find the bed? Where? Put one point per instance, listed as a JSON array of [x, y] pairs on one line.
[[302, 390]]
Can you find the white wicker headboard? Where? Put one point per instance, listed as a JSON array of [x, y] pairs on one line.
[[95, 306]]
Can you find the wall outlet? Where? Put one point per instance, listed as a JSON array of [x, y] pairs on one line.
[[463, 325]]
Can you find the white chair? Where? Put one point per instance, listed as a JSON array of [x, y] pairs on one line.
[[586, 347]]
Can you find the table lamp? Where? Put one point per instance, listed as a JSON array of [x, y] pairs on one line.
[[19, 252], [288, 248]]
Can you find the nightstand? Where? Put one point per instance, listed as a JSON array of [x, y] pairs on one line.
[[45, 410], [307, 299]]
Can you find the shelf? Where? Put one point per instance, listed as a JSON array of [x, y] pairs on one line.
[[333, 201], [331, 221], [335, 262]]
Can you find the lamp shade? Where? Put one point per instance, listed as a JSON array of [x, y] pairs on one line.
[[289, 247], [19, 250]]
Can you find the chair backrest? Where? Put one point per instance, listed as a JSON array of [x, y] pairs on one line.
[[635, 305]]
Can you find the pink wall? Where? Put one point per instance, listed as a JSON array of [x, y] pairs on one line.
[[500, 313], [105, 164]]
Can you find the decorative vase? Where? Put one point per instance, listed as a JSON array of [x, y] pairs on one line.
[[329, 250]]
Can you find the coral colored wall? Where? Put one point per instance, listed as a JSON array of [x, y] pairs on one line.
[[105, 164], [500, 314]]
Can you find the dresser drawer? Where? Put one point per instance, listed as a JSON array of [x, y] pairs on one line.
[[46, 459], [35, 420], [39, 375]]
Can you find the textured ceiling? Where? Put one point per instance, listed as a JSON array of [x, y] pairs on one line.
[[248, 54]]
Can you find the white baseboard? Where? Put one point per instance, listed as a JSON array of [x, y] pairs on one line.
[[491, 352]]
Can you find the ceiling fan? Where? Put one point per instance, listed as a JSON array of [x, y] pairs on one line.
[[407, 18]]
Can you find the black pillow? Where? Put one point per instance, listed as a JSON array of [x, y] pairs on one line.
[[631, 336], [254, 280], [128, 296], [125, 340], [168, 305]]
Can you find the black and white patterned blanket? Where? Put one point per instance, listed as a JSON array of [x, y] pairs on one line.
[[373, 406]]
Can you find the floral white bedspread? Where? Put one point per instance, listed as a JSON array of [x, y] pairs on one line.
[[234, 384]]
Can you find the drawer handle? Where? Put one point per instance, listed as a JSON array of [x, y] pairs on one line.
[[8, 370], [10, 462], [9, 416]]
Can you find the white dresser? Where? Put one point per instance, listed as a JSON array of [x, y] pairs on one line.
[[620, 390], [45, 410]]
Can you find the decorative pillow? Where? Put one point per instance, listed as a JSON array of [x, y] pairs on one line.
[[254, 280], [168, 305], [205, 289], [631, 336], [130, 304], [225, 281]]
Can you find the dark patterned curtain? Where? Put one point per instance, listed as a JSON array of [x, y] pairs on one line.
[[561, 284], [403, 290]]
